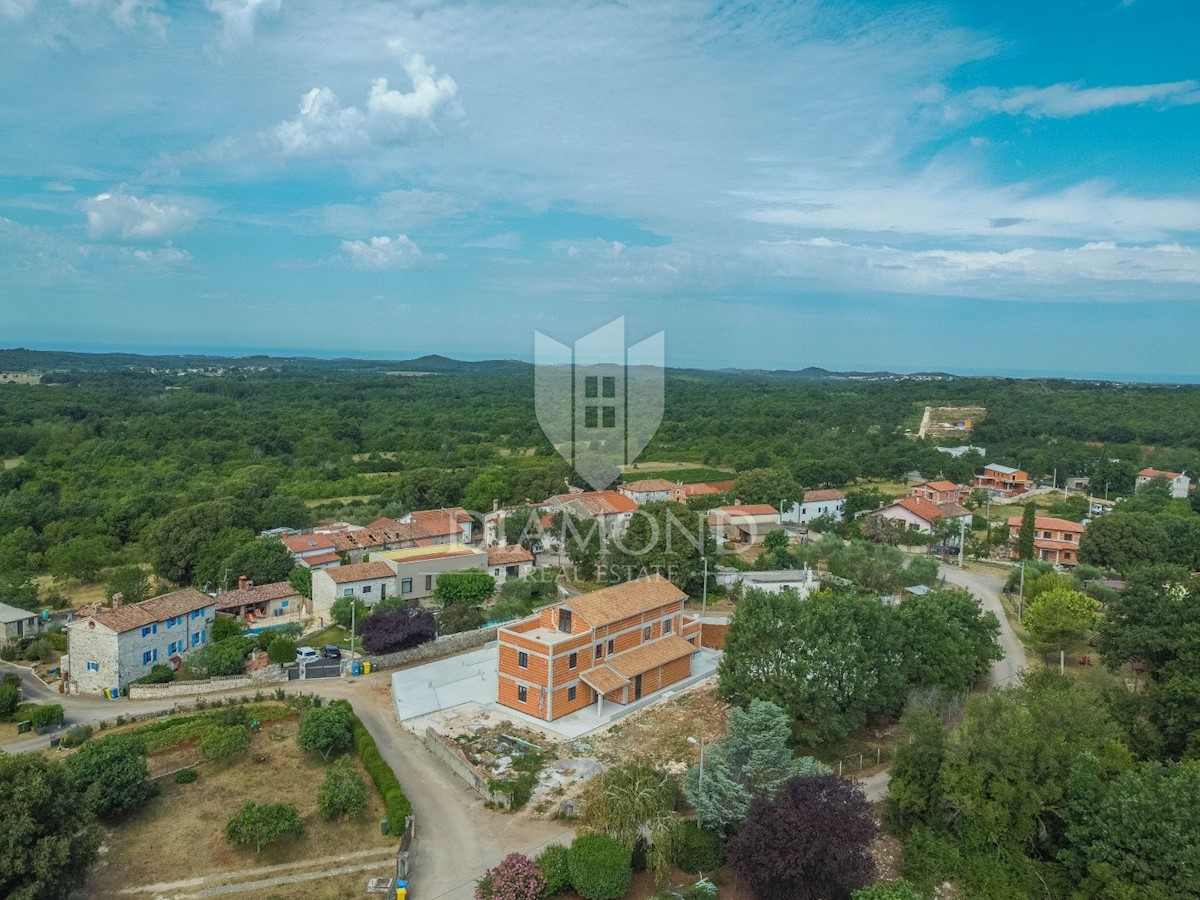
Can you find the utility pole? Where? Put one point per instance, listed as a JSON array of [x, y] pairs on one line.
[[353, 610], [700, 785], [704, 600], [962, 540], [1021, 601]]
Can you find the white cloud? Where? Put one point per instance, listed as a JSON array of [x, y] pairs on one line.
[[163, 257], [17, 9], [325, 126], [130, 14], [126, 217], [238, 17], [384, 252], [1063, 101]]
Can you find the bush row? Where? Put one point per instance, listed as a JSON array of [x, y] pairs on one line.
[[386, 782]]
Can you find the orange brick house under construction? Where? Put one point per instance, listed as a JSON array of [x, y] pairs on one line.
[[617, 644]]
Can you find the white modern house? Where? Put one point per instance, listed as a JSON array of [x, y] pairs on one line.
[[1177, 483], [112, 647], [814, 505]]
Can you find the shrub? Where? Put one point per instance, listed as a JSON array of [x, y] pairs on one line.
[[601, 869], [389, 630], [696, 850], [225, 627], [261, 823], [10, 651], [227, 657], [386, 782], [113, 775], [58, 641], [37, 650], [555, 869], [10, 696], [516, 877], [159, 674], [282, 650], [77, 735], [46, 715], [224, 741], [186, 776], [343, 792], [231, 715], [327, 731]]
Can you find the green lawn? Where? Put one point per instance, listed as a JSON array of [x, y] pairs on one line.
[[334, 634]]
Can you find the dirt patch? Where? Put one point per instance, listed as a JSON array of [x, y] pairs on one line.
[[661, 731], [185, 824]]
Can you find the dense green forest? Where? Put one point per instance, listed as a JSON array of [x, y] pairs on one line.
[[99, 460]]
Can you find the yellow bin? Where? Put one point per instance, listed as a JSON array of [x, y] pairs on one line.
[[366, 668]]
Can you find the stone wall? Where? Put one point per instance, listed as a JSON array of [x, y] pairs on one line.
[[447, 751], [272, 674], [443, 646]]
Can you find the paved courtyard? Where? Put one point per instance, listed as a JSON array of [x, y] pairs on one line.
[[470, 678]]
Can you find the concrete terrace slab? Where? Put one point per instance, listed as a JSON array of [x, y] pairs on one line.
[[470, 678]]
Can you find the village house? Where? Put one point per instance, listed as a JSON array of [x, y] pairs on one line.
[[16, 623], [1002, 481], [703, 488], [112, 647], [939, 491], [417, 569], [1177, 483], [612, 510], [743, 523], [315, 551], [369, 582], [653, 490], [452, 525], [802, 581], [262, 604], [921, 515], [618, 644], [1055, 541], [815, 504], [511, 561]]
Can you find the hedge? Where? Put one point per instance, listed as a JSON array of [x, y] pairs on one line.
[[696, 850], [601, 869], [386, 782]]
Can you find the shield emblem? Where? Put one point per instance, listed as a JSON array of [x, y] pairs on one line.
[[599, 403]]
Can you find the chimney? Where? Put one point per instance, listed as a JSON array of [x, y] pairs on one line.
[[495, 504], [117, 599], [243, 582]]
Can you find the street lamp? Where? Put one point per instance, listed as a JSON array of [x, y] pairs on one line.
[[704, 595]]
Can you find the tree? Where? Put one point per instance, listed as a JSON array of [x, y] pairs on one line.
[[774, 486], [634, 803], [601, 868], [915, 790], [174, 542], [516, 877], [472, 587], [10, 696], [347, 610], [130, 582], [949, 641], [1027, 533], [327, 730], [776, 541], [827, 660], [211, 572], [1060, 618], [343, 792], [753, 758], [223, 741], [1123, 540], [300, 578], [282, 650], [662, 538], [80, 557], [455, 619], [811, 841], [389, 630], [263, 823], [582, 540], [225, 627], [263, 561], [523, 526], [921, 570], [1133, 835], [50, 838], [112, 775], [226, 657]]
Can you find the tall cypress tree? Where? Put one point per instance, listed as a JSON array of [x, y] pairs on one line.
[[1027, 533]]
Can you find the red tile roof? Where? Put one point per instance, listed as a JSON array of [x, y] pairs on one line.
[[944, 486], [650, 655], [598, 503], [156, 609], [512, 555], [621, 601], [1158, 473], [259, 593], [1050, 523], [920, 507], [360, 572], [306, 543], [823, 496], [647, 485], [320, 559]]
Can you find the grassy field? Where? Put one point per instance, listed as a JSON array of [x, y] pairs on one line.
[[181, 833]]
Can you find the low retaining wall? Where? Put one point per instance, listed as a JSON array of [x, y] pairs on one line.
[[271, 674], [447, 751], [443, 646]]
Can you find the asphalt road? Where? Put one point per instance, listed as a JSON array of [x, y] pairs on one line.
[[987, 589]]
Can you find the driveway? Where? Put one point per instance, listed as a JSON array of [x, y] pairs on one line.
[[987, 589], [465, 678]]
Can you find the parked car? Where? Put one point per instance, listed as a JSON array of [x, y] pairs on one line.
[[331, 651], [306, 655]]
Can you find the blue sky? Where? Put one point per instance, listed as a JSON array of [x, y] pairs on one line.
[[962, 186]]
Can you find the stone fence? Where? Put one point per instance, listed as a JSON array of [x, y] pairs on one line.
[[270, 674], [447, 751], [443, 646]]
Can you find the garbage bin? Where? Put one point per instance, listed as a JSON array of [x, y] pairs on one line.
[[356, 668], [384, 826], [402, 890], [366, 667]]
